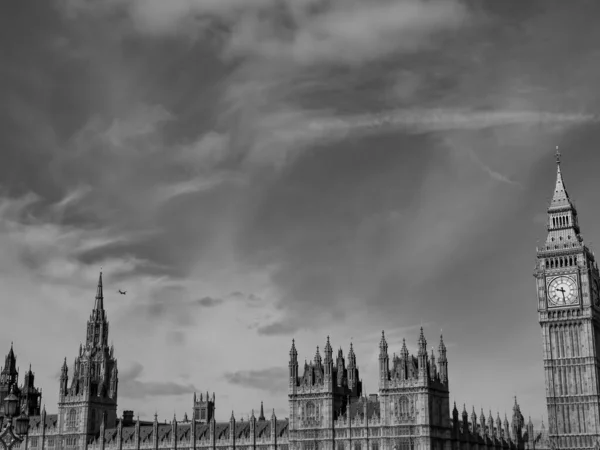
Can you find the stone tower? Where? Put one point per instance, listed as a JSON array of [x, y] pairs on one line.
[[568, 307], [91, 397], [8, 376], [415, 395], [31, 397], [204, 408], [320, 396]]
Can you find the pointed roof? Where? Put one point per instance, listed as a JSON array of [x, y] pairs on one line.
[[262, 413], [328, 350], [560, 198], [422, 341], [404, 350], [99, 304], [383, 343], [10, 363]]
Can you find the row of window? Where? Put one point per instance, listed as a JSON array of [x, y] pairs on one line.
[[34, 442], [554, 263], [561, 221]]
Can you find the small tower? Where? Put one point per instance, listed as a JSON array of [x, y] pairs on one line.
[[422, 355], [91, 397], [443, 361], [384, 362], [31, 397], [9, 375], [518, 421], [353, 381], [483, 430], [328, 365], [465, 420], [473, 421], [455, 419], [293, 365], [204, 408]]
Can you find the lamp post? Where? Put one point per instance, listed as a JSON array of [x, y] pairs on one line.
[[10, 435]]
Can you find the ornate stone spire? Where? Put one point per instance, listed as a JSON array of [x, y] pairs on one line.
[[383, 346], [99, 304]]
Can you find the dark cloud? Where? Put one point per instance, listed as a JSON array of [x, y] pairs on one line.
[[210, 301], [272, 380], [283, 328], [131, 387]]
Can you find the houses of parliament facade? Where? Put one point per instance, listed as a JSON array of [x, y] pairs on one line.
[[327, 407]]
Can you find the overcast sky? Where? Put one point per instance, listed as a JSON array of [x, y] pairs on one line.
[[252, 171]]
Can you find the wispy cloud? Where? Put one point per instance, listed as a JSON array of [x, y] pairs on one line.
[[272, 379], [317, 126], [131, 387]]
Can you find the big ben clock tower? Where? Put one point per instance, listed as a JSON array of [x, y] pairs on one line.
[[569, 314]]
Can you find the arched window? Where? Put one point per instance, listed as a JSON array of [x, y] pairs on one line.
[[310, 409], [72, 419]]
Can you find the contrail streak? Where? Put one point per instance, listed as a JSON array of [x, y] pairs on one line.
[[421, 121]]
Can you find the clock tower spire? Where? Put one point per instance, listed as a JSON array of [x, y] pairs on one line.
[[569, 313]]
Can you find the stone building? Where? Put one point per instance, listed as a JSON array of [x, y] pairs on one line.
[[30, 397], [568, 286], [328, 409]]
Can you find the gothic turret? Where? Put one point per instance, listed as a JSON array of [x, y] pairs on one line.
[[97, 333], [293, 365], [518, 421], [92, 394], [465, 420], [384, 362], [443, 361], [31, 397], [353, 382], [455, 414], [328, 364], [483, 431], [8, 376], [204, 408], [422, 355], [499, 433], [340, 364]]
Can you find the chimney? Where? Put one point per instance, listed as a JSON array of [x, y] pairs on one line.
[[128, 418]]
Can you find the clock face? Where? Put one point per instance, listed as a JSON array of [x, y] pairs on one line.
[[562, 291]]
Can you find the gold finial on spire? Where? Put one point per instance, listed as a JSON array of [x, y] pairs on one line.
[[557, 154]]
